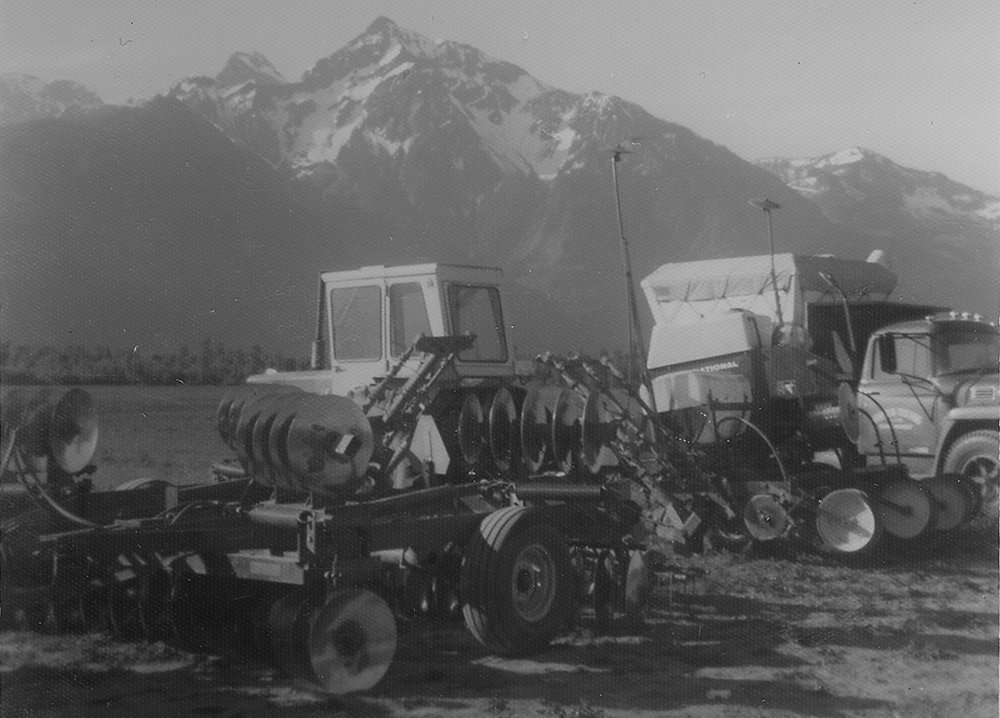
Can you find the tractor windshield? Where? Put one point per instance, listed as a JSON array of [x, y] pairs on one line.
[[476, 310]]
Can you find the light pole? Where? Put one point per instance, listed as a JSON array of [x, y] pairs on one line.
[[767, 205], [634, 332]]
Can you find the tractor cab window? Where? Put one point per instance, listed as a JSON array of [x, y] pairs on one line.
[[476, 310], [407, 316], [356, 317]]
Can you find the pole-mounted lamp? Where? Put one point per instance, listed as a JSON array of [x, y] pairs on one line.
[[767, 205]]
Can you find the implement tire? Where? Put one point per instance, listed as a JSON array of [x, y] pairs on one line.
[[517, 584]]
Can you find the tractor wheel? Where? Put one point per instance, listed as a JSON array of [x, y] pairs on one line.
[[977, 457], [517, 583]]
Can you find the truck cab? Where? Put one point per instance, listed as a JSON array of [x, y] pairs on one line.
[[368, 319], [928, 397]]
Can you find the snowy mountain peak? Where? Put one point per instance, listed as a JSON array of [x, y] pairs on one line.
[[844, 157], [26, 97], [245, 66], [866, 191]]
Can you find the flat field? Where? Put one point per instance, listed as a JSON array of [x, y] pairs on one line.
[[791, 635], [158, 432]]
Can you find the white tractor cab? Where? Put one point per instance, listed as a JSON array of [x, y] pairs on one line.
[[370, 317], [421, 349], [767, 340]]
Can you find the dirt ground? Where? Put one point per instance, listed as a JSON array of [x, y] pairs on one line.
[[756, 636]]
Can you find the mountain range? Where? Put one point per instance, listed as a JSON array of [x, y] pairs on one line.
[[209, 210]]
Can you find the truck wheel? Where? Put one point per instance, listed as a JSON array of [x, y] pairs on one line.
[[977, 457], [517, 582]]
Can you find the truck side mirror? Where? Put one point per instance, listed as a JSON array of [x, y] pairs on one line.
[[887, 354]]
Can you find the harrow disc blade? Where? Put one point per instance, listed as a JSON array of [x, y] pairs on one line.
[[73, 431], [846, 523], [765, 518], [329, 443], [906, 509], [259, 398], [608, 416], [470, 429], [536, 425], [56, 424], [566, 429], [352, 641], [260, 447], [222, 412], [503, 429], [952, 502], [277, 444]]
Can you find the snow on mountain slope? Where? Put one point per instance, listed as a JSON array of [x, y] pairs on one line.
[[25, 97], [841, 179]]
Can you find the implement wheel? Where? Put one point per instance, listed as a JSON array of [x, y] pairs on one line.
[[517, 583]]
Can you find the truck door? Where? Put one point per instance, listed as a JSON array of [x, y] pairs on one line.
[[898, 395]]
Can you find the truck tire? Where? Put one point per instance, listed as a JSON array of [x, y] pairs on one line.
[[517, 585], [977, 457]]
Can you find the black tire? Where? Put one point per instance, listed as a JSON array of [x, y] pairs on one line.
[[977, 457], [517, 584]]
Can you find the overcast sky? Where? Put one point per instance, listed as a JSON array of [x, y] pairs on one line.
[[917, 81]]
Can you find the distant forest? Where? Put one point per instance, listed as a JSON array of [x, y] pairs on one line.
[[213, 365]]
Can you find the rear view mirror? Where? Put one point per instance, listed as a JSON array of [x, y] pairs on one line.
[[887, 354]]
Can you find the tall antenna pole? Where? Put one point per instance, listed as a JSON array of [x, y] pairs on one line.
[[767, 205], [634, 332]]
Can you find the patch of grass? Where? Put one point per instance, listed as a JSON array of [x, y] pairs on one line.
[[583, 710], [927, 651], [498, 704]]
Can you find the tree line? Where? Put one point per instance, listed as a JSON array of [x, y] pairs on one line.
[[214, 364]]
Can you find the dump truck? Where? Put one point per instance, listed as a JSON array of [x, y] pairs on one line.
[[813, 351], [929, 398]]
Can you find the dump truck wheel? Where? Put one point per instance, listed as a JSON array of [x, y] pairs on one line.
[[517, 583], [975, 456]]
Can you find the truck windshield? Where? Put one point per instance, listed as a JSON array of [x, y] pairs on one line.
[[966, 350], [476, 310]]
